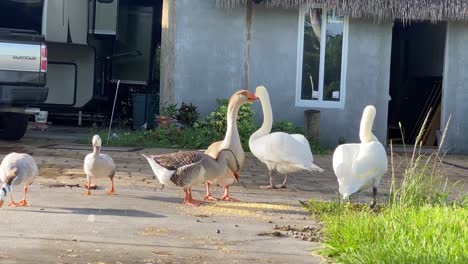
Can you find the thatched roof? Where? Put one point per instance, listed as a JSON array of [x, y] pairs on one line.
[[455, 10]]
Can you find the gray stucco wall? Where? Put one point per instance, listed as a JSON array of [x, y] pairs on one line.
[[210, 46], [210, 50], [273, 64], [455, 88]]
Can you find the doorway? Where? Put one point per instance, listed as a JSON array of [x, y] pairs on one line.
[[416, 76]]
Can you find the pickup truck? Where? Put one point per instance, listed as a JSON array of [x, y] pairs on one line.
[[23, 69]]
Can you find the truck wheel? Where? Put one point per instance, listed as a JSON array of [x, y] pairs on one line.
[[13, 125]]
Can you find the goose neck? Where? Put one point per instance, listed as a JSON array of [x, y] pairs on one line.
[[96, 151], [231, 131], [267, 124]]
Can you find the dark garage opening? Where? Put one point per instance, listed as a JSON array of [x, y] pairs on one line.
[[416, 76]]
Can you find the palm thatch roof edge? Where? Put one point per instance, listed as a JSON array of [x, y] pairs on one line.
[[434, 10]]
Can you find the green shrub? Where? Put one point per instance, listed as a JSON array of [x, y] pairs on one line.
[[188, 114], [287, 127], [216, 122]]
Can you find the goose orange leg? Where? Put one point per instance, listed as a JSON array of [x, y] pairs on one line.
[[227, 197], [111, 190], [88, 187], [12, 202], [24, 202], [208, 196], [188, 200]]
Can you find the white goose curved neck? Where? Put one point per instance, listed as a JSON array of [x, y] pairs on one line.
[[267, 124], [365, 129], [231, 131]]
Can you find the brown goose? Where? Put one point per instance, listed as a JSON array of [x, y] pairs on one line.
[[231, 141], [16, 169], [188, 168]]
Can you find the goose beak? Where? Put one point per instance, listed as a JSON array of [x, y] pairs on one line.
[[1, 203], [251, 97], [236, 176]]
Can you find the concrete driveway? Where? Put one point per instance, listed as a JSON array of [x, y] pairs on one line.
[[143, 224]]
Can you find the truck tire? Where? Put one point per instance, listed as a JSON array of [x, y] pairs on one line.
[[13, 126]]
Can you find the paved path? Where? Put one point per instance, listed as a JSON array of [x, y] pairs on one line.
[[144, 224]]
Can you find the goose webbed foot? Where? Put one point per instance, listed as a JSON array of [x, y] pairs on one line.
[[271, 187], [112, 189], [208, 196], [283, 185], [23, 203], [227, 197], [374, 198], [188, 200], [13, 204], [192, 202]]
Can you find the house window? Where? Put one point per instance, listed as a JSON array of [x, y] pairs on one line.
[[321, 67]]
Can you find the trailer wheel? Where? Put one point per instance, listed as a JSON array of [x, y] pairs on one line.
[[13, 126]]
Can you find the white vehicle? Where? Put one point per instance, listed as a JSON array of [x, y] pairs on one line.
[[23, 69]]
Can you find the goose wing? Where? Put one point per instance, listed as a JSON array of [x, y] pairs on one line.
[[189, 175], [177, 160], [281, 147]]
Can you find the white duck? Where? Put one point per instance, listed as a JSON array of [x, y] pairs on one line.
[[280, 151], [359, 166], [16, 169], [231, 141], [188, 168], [98, 165]]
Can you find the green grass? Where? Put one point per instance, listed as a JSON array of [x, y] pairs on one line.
[[423, 221], [429, 234]]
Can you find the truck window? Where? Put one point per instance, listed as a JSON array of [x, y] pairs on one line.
[[21, 14]]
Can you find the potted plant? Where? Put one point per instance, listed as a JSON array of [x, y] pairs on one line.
[[187, 114], [167, 114]]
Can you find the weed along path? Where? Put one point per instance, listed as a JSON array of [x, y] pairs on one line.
[[145, 224]]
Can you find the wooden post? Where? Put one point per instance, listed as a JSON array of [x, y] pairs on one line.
[[168, 39], [312, 124]]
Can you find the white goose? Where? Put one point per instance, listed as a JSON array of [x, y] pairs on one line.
[[188, 168], [280, 151], [359, 166], [16, 169], [97, 165], [231, 141]]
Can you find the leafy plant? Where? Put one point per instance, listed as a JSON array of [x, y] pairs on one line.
[[188, 114], [216, 122], [287, 127], [168, 110]]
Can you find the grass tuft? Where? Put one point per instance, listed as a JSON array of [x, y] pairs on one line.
[[424, 220]]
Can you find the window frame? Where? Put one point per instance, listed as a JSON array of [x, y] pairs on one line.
[[320, 103]]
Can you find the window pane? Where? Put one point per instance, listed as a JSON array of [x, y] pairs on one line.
[[333, 51], [311, 57]]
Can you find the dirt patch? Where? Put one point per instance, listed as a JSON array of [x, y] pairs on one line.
[[307, 233], [152, 231], [272, 234]]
